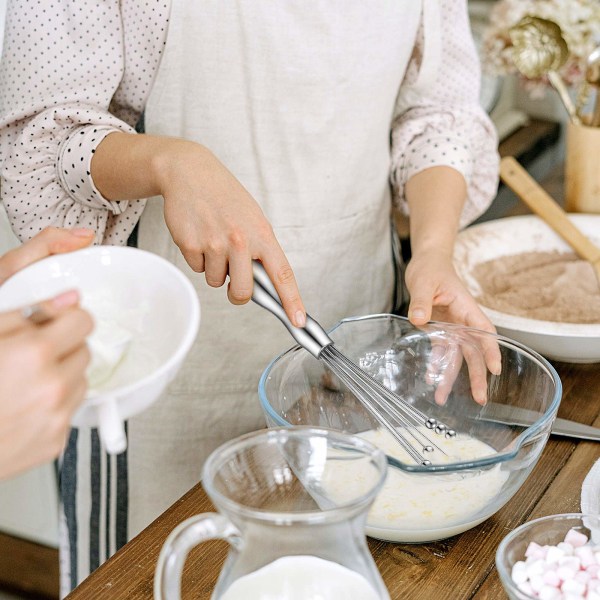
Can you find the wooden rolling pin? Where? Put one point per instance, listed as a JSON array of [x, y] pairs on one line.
[[542, 204]]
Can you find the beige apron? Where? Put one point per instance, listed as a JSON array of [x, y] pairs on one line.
[[296, 98]]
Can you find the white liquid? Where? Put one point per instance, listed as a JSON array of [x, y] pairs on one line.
[[301, 578], [423, 507]]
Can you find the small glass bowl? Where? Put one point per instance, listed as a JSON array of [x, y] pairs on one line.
[[544, 531]]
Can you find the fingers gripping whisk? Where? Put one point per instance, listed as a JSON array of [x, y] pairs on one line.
[[402, 420]]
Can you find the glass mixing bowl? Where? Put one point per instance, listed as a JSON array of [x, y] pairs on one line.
[[433, 368]]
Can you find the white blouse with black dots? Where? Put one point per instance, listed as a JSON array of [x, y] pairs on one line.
[[74, 71]]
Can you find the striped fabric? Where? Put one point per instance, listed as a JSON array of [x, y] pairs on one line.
[[93, 511]]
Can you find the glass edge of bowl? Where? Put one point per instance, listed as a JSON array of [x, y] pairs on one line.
[[500, 457], [504, 575], [313, 516]]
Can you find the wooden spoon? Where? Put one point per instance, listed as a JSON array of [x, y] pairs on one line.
[[542, 204]]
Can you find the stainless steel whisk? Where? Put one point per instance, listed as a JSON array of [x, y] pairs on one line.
[[397, 415]]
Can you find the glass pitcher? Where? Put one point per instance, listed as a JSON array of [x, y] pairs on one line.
[[292, 504]]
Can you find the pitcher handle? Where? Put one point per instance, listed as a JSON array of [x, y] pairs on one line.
[[187, 535]]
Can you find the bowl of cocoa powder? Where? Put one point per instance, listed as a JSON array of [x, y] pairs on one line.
[[532, 286]]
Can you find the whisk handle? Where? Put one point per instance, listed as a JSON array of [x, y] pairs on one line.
[[311, 337]]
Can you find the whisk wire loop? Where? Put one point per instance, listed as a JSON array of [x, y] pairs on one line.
[[398, 416]]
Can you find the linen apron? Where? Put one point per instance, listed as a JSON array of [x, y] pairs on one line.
[[297, 99]]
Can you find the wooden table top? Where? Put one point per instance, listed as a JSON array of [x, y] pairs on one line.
[[460, 567]]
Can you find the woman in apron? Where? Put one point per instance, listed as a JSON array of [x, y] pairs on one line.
[[313, 108]]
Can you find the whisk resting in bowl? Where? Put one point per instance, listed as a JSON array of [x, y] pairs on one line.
[[399, 417]]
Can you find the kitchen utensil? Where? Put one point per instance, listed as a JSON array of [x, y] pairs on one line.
[[545, 531], [539, 49], [592, 77], [296, 390], [540, 202], [268, 487], [513, 415], [400, 418], [150, 300], [582, 169]]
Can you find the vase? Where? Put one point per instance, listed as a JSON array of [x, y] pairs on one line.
[[582, 169]]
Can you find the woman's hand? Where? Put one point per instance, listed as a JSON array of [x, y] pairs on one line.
[[42, 367], [214, 221], [437, 293], [51, 240], [220, 228], [42, 380], [436, 197]]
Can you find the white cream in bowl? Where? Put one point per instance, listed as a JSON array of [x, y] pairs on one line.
[[422, 507], [121, 346], [108, 345], [124, 289]]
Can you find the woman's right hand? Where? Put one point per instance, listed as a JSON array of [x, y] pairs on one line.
[[216, 223], [42, 380], [219, 227]]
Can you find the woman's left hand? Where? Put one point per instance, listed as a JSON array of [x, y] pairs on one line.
[[437, 293]]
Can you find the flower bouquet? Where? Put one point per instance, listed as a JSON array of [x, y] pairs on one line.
[[548, 42]]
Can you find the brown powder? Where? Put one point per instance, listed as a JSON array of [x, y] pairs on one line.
[[551, 286]]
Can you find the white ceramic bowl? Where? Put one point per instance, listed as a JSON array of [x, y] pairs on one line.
[[568, 342], [137, 290]]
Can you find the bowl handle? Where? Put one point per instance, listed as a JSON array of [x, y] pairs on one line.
[[110, 426]]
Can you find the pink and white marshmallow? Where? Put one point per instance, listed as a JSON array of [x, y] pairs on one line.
[[568, 571]]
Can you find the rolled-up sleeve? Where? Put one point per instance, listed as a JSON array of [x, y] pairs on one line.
[[439, 120], [62, 63]]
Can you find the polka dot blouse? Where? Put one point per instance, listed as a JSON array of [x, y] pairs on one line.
[[72, 72]]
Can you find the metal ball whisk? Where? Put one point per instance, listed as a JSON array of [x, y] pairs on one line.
[[399, 417]]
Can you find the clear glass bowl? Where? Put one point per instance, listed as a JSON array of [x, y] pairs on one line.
[[544, 531], [424, 503]]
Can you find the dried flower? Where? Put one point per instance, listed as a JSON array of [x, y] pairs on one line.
[[579, 22]]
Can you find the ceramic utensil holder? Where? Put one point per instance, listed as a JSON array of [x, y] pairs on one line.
[[582, 169]]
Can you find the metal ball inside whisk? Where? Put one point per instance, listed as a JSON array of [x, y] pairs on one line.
[[430, 423]]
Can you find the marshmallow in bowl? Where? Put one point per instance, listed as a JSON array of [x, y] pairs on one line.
[[566, 571]]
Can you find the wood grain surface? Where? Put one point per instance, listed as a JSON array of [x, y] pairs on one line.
[[459, 568], [28, 569]]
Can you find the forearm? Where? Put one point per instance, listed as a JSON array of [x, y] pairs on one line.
[[131, 166], [436, 197], [214, 221]]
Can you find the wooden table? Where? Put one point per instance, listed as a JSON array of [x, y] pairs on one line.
[[458, 568]]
